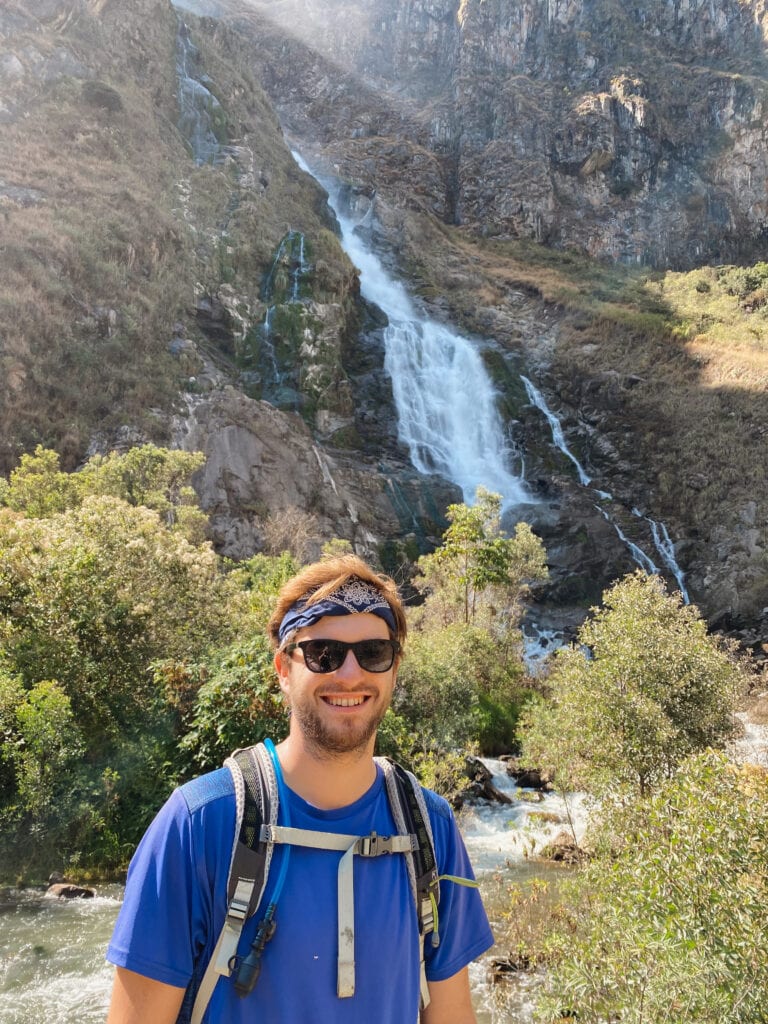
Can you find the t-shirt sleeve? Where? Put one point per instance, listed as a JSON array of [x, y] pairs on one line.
[[162, 921], [463, 928]]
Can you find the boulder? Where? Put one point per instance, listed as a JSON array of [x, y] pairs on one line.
[[60, 888]]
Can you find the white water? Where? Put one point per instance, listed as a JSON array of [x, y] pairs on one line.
[[501, 836], [446, 404], [659, 532], [500, 839], [536, 398], [666, 548], [52, 966], [196, 102]]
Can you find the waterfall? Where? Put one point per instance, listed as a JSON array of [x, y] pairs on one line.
[[639, 556], [666, 548], [536, 398], [197, 104], [299, 267], [659, 532], [446, 404]]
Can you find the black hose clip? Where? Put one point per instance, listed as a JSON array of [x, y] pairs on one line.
[[249, 967]]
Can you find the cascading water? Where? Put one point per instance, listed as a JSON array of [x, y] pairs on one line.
[[659, 532], [276, 290], [197, 104], [666, 548], [446, 404], [536, 398]]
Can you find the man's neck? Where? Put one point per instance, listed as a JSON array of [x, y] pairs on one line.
[[326, 780]]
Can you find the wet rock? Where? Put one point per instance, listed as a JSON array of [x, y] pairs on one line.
[[563, 849], [60, 888]]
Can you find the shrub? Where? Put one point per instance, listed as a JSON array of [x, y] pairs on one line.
[[669, 914], [652, 688]]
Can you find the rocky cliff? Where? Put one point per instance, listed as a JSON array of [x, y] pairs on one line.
[[171, 274], [634, 131]]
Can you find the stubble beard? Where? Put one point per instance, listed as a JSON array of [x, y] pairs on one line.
[[325, 742]]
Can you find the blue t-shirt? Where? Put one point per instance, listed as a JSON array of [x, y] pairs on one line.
[[175, 905]]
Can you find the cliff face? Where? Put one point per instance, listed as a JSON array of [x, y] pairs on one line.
[[148, 294], [633, 131]]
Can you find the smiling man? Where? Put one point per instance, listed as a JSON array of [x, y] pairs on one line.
[[345, 945]]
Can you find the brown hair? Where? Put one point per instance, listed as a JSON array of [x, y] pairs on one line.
[[325, 577]]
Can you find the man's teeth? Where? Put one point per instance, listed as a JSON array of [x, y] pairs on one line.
[[345, 702]]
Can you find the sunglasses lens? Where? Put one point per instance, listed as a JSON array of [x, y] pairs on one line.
[[374, 655], [329, 655], [323, 655]]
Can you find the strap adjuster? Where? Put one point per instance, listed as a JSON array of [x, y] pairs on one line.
[[374, 845]]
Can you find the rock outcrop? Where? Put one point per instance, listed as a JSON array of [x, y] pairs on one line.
[[262, 462], [636, 132]]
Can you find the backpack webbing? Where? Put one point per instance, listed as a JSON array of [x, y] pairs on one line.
[[256, 796]]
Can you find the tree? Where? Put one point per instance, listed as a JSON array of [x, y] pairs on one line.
[[238, 705], [667, 920], [38, 487], [157, 478], [460, 687], [478, 575], [644, 687], [90, 597]]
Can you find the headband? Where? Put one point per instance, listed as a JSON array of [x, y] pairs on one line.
[[354, 597]]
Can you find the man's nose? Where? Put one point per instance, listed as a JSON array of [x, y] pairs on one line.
[[349, 667]]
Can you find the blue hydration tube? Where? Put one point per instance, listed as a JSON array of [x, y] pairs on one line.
[[249, 968], [285, 813]]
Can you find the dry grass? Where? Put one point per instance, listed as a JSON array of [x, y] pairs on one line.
[[695, 423], [113, 232]]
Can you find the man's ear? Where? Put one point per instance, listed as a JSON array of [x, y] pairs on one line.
[[281, 661]]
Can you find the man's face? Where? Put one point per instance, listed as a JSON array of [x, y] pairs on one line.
[[337, 712]]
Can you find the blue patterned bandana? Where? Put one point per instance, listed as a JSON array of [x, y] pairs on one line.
[[354, 597]]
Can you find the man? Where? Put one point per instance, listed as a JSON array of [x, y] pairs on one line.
[[328, 619]]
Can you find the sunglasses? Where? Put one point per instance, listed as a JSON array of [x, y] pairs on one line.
[[329, 655]]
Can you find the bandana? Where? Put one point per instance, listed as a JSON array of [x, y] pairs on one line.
[[354, 597]]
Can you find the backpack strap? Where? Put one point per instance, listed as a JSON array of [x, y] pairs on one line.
[[256, 801], [256, 833], [409, 809], [372, 845]]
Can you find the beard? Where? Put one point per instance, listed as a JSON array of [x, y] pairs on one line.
[[344, 738]]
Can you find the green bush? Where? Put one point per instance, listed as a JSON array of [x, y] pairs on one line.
[[654, 688], [240, 704], [668, 918]]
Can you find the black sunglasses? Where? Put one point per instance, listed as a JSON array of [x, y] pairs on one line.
[[328, 655]]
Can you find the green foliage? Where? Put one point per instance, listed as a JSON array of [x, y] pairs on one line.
[[443, 773], [459, 687], [654, 688], [91, 596], [261, 577], [240, 704], [667, 920], [94, 589], [39, 488], [477, 575], [40, 740], [742, 281], [157, 478]]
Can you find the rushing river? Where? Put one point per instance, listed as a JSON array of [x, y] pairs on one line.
[[52, 967]]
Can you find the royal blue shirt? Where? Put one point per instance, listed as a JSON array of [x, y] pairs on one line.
[[175, 905]]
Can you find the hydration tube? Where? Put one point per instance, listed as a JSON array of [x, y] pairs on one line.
[[249, 968], [285, 811]]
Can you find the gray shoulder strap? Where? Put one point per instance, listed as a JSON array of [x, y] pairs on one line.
[[248, 867]]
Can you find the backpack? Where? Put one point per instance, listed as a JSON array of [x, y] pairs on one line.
[[258, 783]]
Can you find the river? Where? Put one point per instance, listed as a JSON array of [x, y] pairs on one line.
[[52, 967]]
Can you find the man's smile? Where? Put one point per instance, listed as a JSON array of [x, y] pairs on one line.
[[344, 702]]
